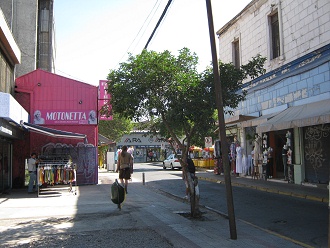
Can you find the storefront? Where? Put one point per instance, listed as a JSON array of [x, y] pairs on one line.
[[10, 132], [147, 147], [305, 131], [63, 121]]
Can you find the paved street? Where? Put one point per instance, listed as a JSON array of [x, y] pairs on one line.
[[275, 206], [149, 218]]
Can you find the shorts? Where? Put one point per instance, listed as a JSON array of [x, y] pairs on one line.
[[125, 173]]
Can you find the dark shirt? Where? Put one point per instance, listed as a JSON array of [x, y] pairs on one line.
[[284, 152], [191, 165]]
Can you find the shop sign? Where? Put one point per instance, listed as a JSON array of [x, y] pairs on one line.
[[104, 101], [5, 130], [208, 141], [67, 117], [132, 140], [140, 139]]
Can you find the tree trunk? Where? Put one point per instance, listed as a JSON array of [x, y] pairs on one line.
[[194, 194]]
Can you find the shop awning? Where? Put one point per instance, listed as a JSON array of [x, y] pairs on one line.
[[257, 121], [53, 132], [231, 122], [102, 140], [238, 118], [299, 116]]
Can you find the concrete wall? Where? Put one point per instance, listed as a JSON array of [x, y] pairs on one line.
[[22, 16], [304, 27], [309, 86]]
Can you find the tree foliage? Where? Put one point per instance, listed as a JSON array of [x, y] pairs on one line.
[[164, 89], [116, 128], [167, 93]]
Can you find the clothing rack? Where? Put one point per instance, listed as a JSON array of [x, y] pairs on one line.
[[56, 170]]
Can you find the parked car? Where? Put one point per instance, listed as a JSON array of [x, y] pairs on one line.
[[172, 162]]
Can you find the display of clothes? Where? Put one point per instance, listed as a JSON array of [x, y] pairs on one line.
[[232, 150], [257, 149], [55, 174]]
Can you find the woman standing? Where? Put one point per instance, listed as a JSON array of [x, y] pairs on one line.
[[125, 161]]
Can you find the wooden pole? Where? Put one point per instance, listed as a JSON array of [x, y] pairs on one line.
[[222, 130]]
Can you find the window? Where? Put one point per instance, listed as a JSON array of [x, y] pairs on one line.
[[6, 75], [44, 20], [236, 56], [275, 36]]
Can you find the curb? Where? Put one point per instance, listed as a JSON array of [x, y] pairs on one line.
[[270, 190]]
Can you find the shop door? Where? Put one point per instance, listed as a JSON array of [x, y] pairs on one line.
[[316, 153], [5, 167], [277, 144]]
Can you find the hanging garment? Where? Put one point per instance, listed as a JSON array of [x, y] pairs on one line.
[[239, 162]]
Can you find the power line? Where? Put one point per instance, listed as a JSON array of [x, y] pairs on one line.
[[152, 11], [150, 19], [159, 21]]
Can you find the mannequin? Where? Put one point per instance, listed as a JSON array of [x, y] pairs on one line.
[[288, 138], [270, 162], [239, 165], [285, 161], [257, 151]]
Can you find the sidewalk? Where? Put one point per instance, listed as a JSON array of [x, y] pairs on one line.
[[147, 219], [277, 186]]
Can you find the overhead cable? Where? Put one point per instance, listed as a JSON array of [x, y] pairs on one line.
[[159, 21]]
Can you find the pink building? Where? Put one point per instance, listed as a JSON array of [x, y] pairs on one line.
[[63, 122]]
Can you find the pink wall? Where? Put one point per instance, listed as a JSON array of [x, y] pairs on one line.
[[48, 92], [53, 92]]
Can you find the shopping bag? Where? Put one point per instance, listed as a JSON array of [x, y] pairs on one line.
[[117, 193]]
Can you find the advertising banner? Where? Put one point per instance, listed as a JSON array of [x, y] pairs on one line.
[[104, 101], [67, 117]]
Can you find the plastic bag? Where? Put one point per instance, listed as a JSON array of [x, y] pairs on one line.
[[117, 193]]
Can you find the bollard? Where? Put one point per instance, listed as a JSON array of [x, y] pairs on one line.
[[143, 178]]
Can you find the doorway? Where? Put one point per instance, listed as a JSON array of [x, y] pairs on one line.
[[5, 167], [277, 141]]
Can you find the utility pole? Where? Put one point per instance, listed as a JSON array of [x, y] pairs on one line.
[[222, 128]]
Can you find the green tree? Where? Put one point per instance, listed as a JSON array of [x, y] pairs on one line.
[[169, 94], [116, 128]]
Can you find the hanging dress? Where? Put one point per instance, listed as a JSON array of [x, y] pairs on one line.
[[239, 157]]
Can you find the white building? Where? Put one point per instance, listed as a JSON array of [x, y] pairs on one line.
[[294, 94]]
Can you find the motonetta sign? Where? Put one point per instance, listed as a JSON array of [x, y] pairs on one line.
[[67, 117]]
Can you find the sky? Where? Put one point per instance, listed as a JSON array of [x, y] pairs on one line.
[[94, 37]]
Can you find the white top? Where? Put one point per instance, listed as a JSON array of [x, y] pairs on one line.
[[32, 164]]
